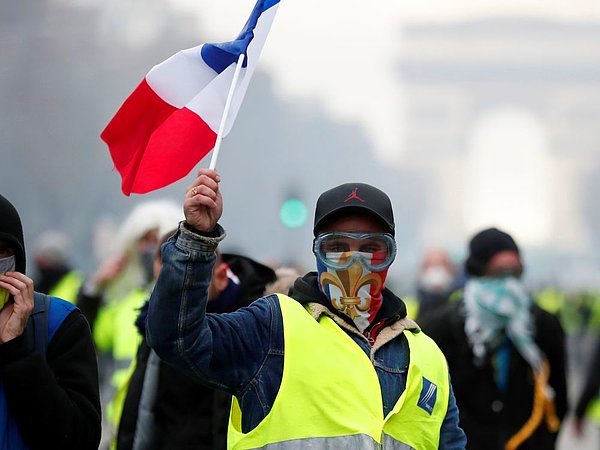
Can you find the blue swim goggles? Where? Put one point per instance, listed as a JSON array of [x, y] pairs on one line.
[[340, 250]]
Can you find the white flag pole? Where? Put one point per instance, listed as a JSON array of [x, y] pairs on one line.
[[236, 74]]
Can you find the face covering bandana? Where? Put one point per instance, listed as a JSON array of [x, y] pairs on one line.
[[6, 265], [355, 291], [352, 268], [499, 307]]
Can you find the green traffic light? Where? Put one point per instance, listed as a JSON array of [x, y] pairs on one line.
[[293, 213]]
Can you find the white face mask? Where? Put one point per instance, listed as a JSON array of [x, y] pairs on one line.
[[6, 265], [436, 279]]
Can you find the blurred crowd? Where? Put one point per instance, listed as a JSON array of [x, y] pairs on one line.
[[147, 404]]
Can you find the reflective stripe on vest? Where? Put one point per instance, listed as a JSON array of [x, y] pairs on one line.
[[356, 441], [330, 397]]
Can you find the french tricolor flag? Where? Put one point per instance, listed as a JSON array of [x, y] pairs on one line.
[[171, 120]]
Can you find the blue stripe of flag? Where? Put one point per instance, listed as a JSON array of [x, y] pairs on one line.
[[222, 55]]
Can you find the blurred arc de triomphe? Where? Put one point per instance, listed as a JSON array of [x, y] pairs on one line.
[[504, 117]]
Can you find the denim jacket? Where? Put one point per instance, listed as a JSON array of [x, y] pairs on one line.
[[242, 352]]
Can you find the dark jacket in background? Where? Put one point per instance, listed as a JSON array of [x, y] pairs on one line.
[[54, 400], [488, 416]]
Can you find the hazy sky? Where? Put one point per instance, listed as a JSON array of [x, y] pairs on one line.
[[344, 56], [342, 53]]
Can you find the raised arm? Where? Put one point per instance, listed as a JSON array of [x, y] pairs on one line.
[[207, 346]]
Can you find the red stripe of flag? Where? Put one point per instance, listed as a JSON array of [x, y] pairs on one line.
[[152, 143]]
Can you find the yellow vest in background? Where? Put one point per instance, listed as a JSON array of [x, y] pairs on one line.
[[330, 395], [551, 300], [412, 306], [67, 287], [115, 332], [593, 410]]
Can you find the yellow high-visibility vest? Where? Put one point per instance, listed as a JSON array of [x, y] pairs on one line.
[[412, 306], [115, 332], [67, 287], [330, 395], [592, 412]]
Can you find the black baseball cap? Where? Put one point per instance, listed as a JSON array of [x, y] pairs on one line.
[[357, 197]]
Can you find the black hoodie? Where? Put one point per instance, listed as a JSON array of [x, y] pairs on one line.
[[53, 400]]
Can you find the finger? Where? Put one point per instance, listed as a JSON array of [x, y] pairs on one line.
[[21, 277], [201, 200], [11, 285], [206, 187], [211, 173], [25, 284], [205, 173], [207, 181], [206, 191], [20, 284]]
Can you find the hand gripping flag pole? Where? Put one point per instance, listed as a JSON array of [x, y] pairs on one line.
[[184, 107], [215, 153]]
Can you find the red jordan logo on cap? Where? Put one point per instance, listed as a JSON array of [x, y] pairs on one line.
[[354, 195]]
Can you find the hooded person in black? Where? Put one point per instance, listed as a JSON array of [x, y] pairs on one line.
[[48, 374]]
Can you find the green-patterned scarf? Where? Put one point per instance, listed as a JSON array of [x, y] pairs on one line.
[[498, 307]]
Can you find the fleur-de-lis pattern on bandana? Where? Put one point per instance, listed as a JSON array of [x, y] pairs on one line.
[[356, 291]]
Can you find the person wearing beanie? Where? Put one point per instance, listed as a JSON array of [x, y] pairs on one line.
[[488, 244], [335, 363], [506, 354], [49, 396]]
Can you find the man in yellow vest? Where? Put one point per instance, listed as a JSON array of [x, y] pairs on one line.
[[111, 297], [336, 364]]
